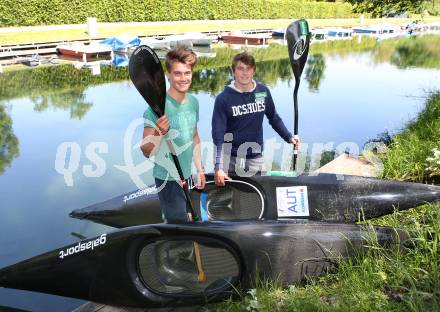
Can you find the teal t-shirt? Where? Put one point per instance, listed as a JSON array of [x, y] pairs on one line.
[[183, 119]]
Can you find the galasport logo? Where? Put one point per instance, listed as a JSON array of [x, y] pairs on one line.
[[80, 247], [299, 48], [138, 193]]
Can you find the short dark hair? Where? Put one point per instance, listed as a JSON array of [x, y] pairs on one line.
[[182, 55], [245, 58]]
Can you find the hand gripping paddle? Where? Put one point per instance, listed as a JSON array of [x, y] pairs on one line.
[[298, 41], [147, 75]]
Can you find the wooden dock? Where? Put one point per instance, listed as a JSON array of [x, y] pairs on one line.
[[9, 53]]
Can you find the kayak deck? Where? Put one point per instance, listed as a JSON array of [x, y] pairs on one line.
[[321, 197]]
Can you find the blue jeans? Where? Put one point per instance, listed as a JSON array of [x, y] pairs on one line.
[[172, 201]]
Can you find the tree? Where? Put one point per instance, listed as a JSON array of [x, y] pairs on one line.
[[379, 8]]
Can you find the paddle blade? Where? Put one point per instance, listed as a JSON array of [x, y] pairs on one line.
[[298, 41], [147, 75]]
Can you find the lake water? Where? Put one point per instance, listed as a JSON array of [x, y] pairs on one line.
[[75, 148]]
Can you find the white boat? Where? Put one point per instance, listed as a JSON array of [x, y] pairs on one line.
[[155, 43], [178, 40], [199, 39], [378, 29]]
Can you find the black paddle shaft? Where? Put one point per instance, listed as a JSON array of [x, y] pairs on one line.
[[298, 41], [147, 75]]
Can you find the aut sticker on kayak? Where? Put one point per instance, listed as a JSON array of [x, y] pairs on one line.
[[292, 201]]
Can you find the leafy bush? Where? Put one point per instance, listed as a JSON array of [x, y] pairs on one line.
[[52, 12]]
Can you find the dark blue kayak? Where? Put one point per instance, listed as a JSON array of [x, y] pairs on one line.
[[323, 197]]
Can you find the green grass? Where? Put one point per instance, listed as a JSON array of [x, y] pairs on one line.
[[38, 36], [409, 150]]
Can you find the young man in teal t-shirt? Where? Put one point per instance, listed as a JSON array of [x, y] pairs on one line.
[[178, 124]]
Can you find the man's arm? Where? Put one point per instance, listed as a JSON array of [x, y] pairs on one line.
[[150, 142], [197, 159], [219, 124], [197, 154], [152, 136]]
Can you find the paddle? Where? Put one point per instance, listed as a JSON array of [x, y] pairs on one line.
[[298, 40], [147, 75]]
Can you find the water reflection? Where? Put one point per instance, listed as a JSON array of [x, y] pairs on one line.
[[420, 52], [54, 79], [314, 72], [210, 80], [70, 100], [9, 144]]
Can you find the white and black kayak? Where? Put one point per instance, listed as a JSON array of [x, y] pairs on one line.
[[161, 265], [323, 197]]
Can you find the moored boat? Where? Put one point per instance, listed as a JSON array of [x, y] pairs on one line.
[[81, 50], [319, 34], [155, 43], [339, 33], [237, 37], [179, 40], [378, 29], [199, 39]]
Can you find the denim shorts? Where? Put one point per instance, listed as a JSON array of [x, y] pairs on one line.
[[172, 201]]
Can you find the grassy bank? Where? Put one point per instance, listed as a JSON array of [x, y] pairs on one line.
[[380, 279], [411, 154], [38, 35]]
